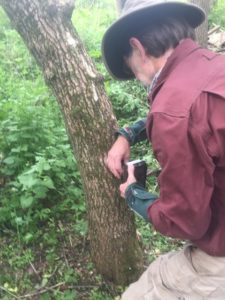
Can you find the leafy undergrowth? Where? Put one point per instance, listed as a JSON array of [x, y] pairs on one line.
[[154, 244], [57, 265]]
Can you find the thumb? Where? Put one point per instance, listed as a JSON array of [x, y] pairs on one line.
[[130, 170]]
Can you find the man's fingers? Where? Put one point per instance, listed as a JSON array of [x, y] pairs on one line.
[[119, 152], [122, 189], [114, 166], [118, 168]]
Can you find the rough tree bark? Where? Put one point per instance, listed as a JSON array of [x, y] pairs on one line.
[[202, 31], [46, 28]]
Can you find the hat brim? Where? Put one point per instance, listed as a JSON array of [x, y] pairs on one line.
[[116, 35]]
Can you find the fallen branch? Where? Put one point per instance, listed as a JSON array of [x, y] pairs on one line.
[[214, 29], [47, 289], [34, 270], [51, 288]]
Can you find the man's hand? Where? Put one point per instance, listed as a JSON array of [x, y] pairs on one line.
[[131, 179], [119, 153]]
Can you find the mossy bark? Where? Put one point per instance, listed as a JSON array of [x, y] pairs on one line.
[[46, 28]]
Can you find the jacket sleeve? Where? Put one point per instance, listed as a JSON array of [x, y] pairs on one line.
[[134, 133], [139, 200], [186, 180]]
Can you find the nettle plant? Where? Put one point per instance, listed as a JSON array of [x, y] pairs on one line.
[[38, 173], [37, 164]]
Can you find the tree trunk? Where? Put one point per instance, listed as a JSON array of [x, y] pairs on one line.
[[202, 31], [46, 28], [120, 5]]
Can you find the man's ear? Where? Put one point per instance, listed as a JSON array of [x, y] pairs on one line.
[[137, 46]]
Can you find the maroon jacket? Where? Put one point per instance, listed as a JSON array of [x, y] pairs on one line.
[[186, 126]]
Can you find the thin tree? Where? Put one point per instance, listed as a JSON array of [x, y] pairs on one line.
[[120, 5], [202, 31], [47, 30]]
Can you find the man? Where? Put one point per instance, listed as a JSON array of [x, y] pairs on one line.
[[154, 42]]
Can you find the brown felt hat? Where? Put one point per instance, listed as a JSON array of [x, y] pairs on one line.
[[135, 14]]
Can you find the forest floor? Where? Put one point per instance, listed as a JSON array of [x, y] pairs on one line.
[[59, 266]]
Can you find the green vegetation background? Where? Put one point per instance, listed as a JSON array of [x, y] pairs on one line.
[[43, 235]]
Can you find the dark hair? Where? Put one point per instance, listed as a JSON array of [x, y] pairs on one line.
[[159, 36]]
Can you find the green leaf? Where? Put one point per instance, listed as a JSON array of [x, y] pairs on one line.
[[28, 237], [26, 202], [47, 181], [46, 296], [44, 282], [69, 295], [19, 220], [9, 160], [40, 191], [27, 181], [42, 165]]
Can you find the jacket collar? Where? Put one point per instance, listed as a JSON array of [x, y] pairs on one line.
[[185, 48]]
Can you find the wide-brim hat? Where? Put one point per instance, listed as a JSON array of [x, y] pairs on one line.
[[136, 13]]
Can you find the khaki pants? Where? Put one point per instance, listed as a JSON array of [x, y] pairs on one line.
[[189, 274]]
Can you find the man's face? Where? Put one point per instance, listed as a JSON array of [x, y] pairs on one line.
[[142, 67]]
